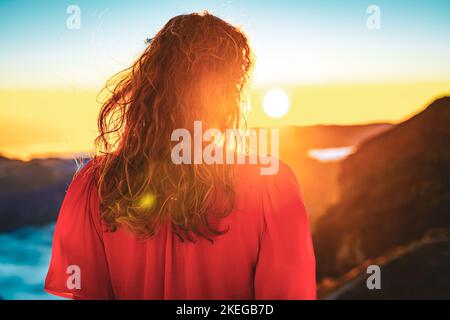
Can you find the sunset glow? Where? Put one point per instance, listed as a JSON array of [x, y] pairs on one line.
[[309, 69]]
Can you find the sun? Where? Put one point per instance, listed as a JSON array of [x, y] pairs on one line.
[[276, 103]]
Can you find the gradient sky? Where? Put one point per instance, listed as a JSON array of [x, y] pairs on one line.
[[335, 69], [295, 41]]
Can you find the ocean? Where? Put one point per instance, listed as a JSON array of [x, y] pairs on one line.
[[24, 259]]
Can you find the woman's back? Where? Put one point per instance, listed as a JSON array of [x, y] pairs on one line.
[[265, 253], [149, 179]]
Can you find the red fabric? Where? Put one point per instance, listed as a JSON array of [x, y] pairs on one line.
[[267, 252]]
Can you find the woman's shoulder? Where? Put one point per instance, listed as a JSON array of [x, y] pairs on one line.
[[82, 189], [276, 198], [87, 166], [252, 181], [267, 169], [81, 202], [87, 171]]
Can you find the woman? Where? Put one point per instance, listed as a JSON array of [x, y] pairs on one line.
[[136, 225]]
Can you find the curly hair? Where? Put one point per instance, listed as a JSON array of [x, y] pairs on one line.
[[195, 68]]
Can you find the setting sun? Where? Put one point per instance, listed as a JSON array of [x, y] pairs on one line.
[[276, 103]]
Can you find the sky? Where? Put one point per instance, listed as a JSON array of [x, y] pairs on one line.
[[294, 41], [322, 53]]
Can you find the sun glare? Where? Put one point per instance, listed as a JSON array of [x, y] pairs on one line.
[[276, 103]]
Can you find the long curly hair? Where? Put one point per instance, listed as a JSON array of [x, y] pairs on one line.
[[195, 68]]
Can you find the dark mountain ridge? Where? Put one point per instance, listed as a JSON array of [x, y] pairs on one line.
[[392, 190]]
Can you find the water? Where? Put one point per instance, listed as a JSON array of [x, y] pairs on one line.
[[330, 154], [24, 259]]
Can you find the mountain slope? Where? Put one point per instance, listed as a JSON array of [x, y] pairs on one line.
[[417, 271], [392, 190]]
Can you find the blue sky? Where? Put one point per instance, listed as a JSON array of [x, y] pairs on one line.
[[303, 42]]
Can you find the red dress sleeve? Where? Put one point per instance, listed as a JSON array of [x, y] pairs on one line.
[[78, 267], [286, 262]]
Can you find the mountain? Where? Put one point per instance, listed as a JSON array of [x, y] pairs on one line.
[[31, 192], [416, 271], [319, 179], [328, 136], [394, 189]]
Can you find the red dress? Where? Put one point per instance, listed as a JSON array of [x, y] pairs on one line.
[[266, 253]]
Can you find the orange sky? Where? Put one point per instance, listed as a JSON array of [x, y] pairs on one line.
[[45, 122], [334, 67]]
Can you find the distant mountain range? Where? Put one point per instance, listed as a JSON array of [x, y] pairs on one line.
[[31, 192], [328, 136]]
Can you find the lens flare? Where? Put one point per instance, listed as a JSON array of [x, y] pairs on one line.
[[147, 201]]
